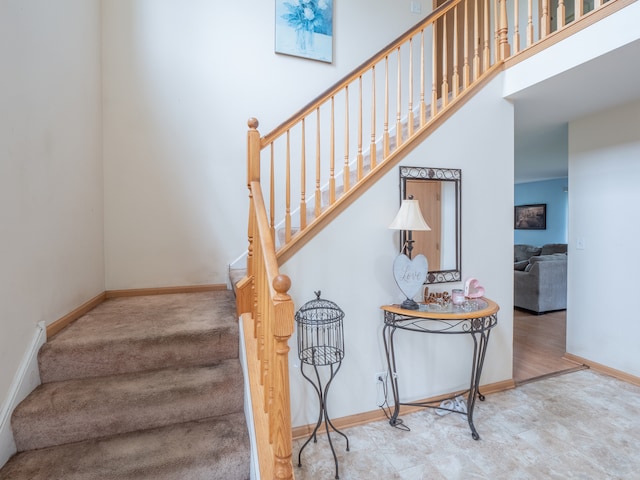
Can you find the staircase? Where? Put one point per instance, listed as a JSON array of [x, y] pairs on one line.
[[139, 388]]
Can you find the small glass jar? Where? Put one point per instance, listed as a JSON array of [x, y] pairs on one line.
[[457, 296]]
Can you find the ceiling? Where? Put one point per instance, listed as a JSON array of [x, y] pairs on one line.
[[543, 109]]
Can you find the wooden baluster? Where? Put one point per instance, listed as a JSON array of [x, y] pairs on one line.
[[287, 213], [423, 105], [256, 313], [560, 14], [303, 178], [486, 51], [399, 103], [516, 28], [455, 78], [578, 9], [445, 65], [410, 112], [281, 414], [268, 346], [345, 171], [434, 71], [372, 147], [476, 42], [466, 78], [259, 309], [505, 50], [385, 135], [545, 20], [496, 29], [332, 155], [318, 192], [359, 158], [530, 22], [272, 194]]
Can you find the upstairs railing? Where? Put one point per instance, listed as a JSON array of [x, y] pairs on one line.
[[318, 161], [348, 137]]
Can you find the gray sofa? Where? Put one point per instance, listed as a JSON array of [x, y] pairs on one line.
[[540, 277]]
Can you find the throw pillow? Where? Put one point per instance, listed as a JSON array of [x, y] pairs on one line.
[[524, 252]]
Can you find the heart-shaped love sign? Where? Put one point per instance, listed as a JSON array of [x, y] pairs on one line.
[[473, 289], [410, 274]]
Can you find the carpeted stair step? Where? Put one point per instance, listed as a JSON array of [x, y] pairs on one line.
[[75, 410], [131, 334], [211, 449]]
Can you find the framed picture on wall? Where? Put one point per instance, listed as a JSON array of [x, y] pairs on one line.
[[304, 28], [531, 217]]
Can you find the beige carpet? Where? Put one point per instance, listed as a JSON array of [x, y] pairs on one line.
[[139, 388]]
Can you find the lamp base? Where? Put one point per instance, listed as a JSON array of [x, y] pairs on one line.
[[410, 304]]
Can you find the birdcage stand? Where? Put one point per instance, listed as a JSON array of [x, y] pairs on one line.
[[321, 344], [323, 415]]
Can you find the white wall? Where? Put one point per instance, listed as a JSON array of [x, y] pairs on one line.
[[351, 260], [603, 197], [51, 227], [181, 78]]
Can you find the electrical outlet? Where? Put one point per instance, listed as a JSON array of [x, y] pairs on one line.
[[381, 377]]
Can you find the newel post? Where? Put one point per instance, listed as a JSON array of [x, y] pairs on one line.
[[280, 414], [503, 32], [253, 151], [246, 289], [253, 175]]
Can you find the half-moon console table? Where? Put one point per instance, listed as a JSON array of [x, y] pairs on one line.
[[475, 317]]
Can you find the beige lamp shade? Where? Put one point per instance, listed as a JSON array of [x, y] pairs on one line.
[[409, 217]]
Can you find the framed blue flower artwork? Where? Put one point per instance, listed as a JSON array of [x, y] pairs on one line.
[[304, 28]]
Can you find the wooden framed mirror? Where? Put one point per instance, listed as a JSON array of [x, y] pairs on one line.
[[438, 191]]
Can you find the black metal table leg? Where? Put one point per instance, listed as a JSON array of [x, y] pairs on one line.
[[323, 415], [387, 333], [480, 342]]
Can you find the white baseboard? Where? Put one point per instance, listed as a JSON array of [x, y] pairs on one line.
[[24, 381], [248, 408]]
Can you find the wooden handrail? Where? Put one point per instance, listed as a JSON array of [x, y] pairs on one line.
[[464, 56]]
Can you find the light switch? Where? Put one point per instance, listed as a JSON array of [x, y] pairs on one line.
[[580, 244], [416, 7]]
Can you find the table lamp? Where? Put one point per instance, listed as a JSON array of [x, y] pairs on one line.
[[409, 218], [409, 274]]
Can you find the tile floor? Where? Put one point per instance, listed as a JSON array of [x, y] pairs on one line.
[[582, 425]]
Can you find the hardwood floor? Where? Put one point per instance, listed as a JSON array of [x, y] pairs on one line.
[[539, 345]]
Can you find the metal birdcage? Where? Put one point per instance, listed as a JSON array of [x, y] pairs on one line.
[[320, 332], [321, 343]]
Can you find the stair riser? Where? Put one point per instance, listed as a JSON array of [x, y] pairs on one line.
[[73, 411], [213, 449], [59, 363]]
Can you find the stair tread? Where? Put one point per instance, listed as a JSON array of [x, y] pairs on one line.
[[134, 318], [74, 410], [209, 449], [144, 333]]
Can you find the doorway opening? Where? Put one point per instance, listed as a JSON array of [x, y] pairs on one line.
[[539, 345]]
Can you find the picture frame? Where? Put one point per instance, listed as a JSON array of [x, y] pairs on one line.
[[304, 28], [530, 217]]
